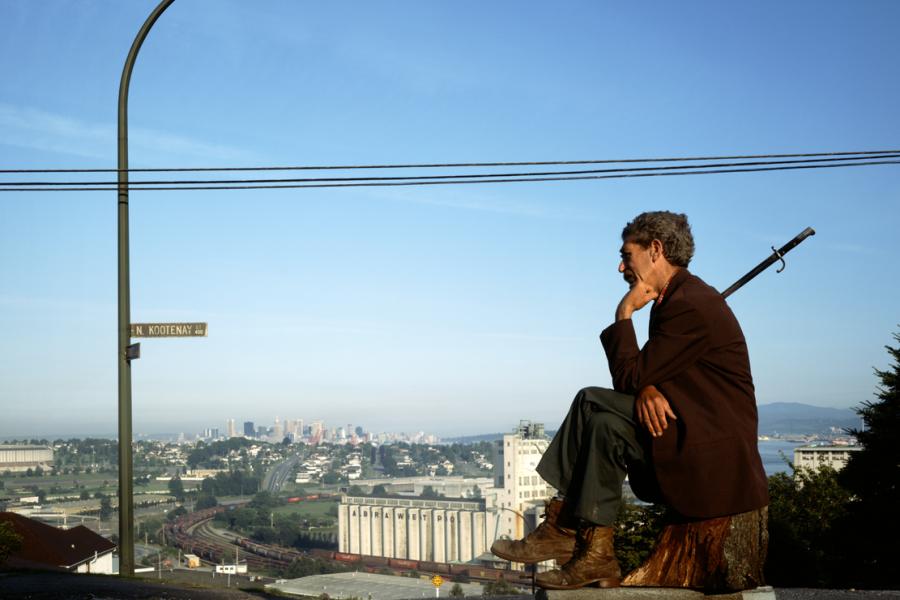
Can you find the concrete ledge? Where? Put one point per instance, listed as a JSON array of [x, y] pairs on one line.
[[647, 593]]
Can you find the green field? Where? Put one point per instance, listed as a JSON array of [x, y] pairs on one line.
[[310, 509], [73, 485]]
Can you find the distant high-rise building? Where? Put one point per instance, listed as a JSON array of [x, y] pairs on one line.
[[293, 427], [278, 431], [249, 429], [316, 432], [515, 471], [231, 427]]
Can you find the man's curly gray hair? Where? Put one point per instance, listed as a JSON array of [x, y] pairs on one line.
[[672, 229]]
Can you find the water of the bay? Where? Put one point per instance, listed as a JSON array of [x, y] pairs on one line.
[[773, 453]]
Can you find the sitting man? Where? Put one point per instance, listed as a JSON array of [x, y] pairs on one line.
[[681, 421]]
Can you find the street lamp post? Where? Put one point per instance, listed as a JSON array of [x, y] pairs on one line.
[[126, 486]]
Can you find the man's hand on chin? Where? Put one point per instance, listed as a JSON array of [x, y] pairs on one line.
[[637, 297], [651, 409]]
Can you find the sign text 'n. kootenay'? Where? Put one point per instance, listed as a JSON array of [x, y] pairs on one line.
[[168, 329]]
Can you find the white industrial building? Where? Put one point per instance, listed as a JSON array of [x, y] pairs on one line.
[[439, 530], [451, 529], [813, 458], [21, 458], [521, 491]]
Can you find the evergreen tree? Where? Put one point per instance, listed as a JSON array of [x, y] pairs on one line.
[[806, 545], [501, 587], [872, 476], [429, 492], [106, 509], [176, 488], [206, 501], [637, 527], [10, 541], [176, 512]]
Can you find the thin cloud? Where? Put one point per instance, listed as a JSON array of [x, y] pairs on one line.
[[32, 128], [152, 142], [38, 130], [469, 199]]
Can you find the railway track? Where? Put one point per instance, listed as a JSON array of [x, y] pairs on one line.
[[231, 552], [194, 534]]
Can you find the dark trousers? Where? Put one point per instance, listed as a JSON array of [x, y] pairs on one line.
[[598, 443]]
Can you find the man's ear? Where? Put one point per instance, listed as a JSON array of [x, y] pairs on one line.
[[656, 250]]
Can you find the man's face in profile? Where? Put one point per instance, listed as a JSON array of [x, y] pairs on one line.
[[635, 264]]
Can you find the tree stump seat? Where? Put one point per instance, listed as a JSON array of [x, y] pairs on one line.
[[720, 555]]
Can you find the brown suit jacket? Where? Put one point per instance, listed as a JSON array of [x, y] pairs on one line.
[[707, 461]]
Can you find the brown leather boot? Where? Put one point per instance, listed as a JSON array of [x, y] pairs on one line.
[[594, 562], [550, 540]]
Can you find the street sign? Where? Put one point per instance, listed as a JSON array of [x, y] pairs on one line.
[[168, 329], [437, 580]]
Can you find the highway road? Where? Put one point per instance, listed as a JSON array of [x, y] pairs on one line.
[[279, 474]]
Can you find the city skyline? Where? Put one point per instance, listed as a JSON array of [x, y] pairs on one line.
[[777, 419], [453, 309]]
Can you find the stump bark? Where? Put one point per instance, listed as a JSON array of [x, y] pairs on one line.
[[724, 554]]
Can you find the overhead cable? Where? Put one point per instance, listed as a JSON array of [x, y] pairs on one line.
[[371, 183], [415, 178], [460, 164]]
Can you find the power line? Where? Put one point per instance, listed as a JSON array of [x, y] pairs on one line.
[[413, 178], [423, 177], [368, 183], [462, 164]]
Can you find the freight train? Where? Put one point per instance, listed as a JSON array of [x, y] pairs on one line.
[[278, 553], [274, 557]]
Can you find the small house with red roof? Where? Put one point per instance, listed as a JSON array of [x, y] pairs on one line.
[[76, 550]]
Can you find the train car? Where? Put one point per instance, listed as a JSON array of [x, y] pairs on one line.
[[402, 563], [434, 567], [485, 574], [375, 560]]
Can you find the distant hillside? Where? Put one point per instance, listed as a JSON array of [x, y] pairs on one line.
[[473, 439], [486, 437], [784, 418], [804, 419]]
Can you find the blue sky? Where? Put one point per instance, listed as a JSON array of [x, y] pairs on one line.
[[452, 309]]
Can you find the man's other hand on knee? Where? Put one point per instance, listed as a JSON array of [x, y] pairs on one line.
[[653, 410]]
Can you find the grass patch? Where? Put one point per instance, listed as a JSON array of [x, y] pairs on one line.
[[310, 509]]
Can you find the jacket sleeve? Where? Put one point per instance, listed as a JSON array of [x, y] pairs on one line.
[[678, 339]]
